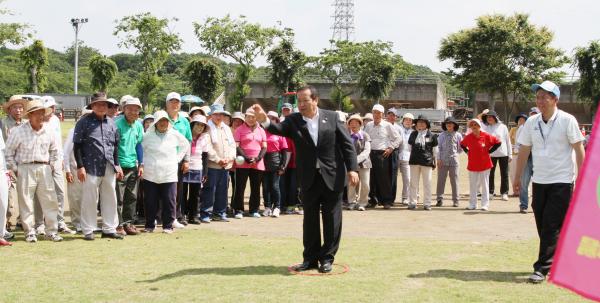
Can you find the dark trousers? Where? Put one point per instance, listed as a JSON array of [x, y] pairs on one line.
[[214, 193], [161, 195], [320, 198], [271, 192], [241, 177], [193, 200], [140, 201], [380, 179], [394, 172], [232, 179], [181, 195], [289, 189], [127, 196], [503, 174], [550, 204]]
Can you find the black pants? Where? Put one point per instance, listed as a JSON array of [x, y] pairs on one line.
[[193, 201], [241, 177], [550, 204], [289, 189], [380, 179], [394, 172], [503, 174], [181, 195], [320, 198], [232, 179], [160, 196]]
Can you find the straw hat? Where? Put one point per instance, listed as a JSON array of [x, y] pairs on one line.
[[16, 99], [36, 105]]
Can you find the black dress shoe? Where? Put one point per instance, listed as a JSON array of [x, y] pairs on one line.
[[326, 267], [304, 266], [112, 236]]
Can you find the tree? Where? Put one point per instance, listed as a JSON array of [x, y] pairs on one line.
[[13, 33], [204, 77], [85, 54], [153, 41], [287, 66], [35, 59], [240, 41], [103, 71], [502, 54], [587, 61]]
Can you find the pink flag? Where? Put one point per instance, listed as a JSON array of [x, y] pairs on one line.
[[577, 260]]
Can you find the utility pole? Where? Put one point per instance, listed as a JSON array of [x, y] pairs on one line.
[[343, 20], [77, 23]]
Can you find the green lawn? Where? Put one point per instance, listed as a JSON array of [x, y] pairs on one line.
[[207, 266]]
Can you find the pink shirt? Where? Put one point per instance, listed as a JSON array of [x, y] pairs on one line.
[[251, 142], [275, 143]]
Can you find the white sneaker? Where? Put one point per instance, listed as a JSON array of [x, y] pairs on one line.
[[239, 216], [505, 197], [255, 215], [267, 212], [31, 238], [167, 231], [470, 207], [40, 230], [63, 228], [54, 237], [485, 208], [276, 212], [361, 208], [176, 224]]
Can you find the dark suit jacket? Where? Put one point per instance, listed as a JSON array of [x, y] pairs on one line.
[[334, 151]]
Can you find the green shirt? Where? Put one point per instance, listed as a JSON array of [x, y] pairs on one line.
[[130, 136], [182, 125]]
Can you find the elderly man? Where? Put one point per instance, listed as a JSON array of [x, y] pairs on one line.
[[552, 137], [182, 125], [32, 155], [391, 117], [95, 140], [14, 117], [131, 133], [384, 139]]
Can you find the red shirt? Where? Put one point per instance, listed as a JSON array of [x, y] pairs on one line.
[[292, 149], [479, 150]]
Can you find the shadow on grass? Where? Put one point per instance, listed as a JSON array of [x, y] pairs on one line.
[[470, 275], [260, 270]]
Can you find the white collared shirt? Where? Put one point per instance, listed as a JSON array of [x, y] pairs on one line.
[[383, 135], [404, 154], [313, 126], [552, 152]]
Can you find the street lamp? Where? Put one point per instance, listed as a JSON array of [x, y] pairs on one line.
[[77, 23]]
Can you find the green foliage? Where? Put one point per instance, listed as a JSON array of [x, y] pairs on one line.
[[153, 41], [587, 61], [204, 77], [13, 33], [502, 54], [240, 41], [287, 66], [345, 102], [35, 60], [103, 71], [85, 54]]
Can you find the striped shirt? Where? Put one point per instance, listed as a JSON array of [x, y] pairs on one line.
[[25, 145]]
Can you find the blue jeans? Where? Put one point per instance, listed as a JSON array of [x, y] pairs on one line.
[[214, 193], [525, 179], [271, 193]]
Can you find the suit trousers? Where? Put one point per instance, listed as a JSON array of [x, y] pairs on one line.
[[424, 172], [503, 161], [37, 180], [443, 173], [103, 188], [479, 180], [381, 179], [550, 204], [3, 201], [241, 177], [360, 193], [319, 198], [404, 169]]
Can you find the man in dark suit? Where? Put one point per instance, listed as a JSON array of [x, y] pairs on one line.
[[326, 162]]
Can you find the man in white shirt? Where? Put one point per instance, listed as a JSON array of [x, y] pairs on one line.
[[552, 137], [384, 139]]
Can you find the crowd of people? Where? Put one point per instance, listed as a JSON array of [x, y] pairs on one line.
[[174, 168]]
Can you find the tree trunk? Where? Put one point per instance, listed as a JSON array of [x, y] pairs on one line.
[[491, 102], [34, 83]]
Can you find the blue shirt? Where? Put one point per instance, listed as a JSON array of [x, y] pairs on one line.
[[99, 139]]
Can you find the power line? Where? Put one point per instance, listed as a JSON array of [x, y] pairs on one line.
[[343, 20]]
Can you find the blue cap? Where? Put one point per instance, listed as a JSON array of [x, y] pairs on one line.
[[217, 108], [548, 86]]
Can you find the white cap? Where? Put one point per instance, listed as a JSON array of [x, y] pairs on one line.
[[408, 116], [124, 99], [132, 101], [48, 101], [173, 95], [379, 108]]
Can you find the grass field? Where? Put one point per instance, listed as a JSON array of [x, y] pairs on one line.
[[446, 255]]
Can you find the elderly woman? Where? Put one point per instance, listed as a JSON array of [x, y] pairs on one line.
[[164, 147], [275, 161], [251, 142], [358, 196], [196, 176], [422, 161]]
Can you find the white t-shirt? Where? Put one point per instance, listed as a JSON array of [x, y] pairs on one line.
[[552, 152]]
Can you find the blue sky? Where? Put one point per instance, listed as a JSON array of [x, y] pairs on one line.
[[415, 27]]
